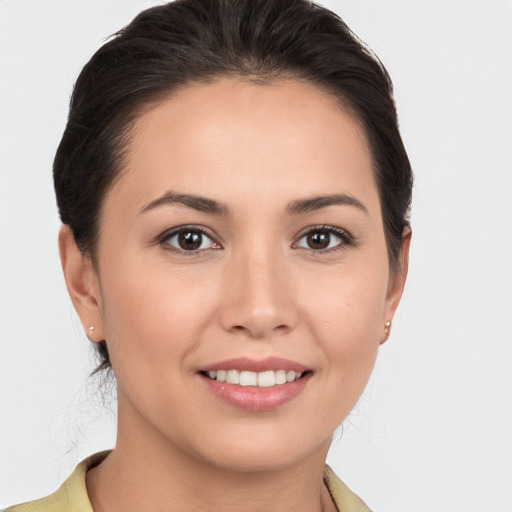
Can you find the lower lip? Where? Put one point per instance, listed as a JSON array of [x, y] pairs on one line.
[[254, 398]]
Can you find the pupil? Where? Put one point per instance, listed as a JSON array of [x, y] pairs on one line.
[[189, 240], [319, 240]]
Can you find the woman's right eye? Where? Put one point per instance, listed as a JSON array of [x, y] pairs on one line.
[[189, 240]]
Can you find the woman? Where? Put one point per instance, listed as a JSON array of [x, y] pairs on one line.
[[234, 195]]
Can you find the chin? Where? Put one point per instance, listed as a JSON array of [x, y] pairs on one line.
[[263, 461], [253, 454]]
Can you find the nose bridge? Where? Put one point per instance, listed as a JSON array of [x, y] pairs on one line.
[[258, 300]]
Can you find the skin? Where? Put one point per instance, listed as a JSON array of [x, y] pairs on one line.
[[254, 289]]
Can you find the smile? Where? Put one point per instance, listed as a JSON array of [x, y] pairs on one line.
[[264, 379], [256, 385]]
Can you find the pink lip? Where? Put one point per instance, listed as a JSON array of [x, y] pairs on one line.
[[254, 398], [251, 365]]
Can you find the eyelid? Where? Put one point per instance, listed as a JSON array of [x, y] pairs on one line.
[[162, 239], [346, 238], [343, 234]]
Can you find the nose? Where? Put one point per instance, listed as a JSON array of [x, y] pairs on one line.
[[258, 299]]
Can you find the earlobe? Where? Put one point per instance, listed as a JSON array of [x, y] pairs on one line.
[[82, 284], [397, 281]]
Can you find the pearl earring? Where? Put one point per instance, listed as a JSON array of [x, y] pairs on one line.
[[387, 330], [91, 332]]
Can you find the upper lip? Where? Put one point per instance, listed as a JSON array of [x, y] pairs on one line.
[[256, 365]]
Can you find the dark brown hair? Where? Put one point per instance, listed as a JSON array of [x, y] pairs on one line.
[[170, 46]]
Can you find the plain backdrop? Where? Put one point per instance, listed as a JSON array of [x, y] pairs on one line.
[[433, 431]]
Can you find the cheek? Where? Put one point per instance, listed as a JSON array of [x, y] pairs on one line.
[[152, 319], [350, 302], [345, 314]]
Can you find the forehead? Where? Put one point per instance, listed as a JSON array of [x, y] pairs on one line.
[[239, 138]]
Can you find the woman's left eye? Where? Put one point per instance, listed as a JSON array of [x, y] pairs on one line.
[[189, 240], [323, 238]]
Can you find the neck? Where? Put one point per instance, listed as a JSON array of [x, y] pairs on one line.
[[147, 471]]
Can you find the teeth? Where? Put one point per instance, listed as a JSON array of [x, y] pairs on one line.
[[233, 377], [266, 379], [248, 379], [280, 377], [262, 379]]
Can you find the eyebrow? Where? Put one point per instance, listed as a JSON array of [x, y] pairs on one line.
[[206, 205], [199, 203], [318, 202]]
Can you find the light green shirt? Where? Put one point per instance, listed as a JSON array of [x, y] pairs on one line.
[[72, 494]]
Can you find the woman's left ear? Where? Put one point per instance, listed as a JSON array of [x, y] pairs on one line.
[[397, 283], [82, 284]]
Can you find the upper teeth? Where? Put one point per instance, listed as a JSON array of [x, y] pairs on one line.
[[260, 379]]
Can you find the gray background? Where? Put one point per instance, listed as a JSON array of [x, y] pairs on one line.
[[433, 431]]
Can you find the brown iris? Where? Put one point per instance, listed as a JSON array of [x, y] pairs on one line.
[[319, 240], [190, 240]]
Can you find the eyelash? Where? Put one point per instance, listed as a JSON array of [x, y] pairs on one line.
[[346, 239], [164, 239]]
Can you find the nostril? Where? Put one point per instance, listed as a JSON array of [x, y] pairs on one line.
[[247, 319], [255, 332]]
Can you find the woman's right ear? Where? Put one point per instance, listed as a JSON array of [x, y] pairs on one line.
[[82, 284]]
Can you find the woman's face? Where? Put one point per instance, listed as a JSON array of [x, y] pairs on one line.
[[244, 236]]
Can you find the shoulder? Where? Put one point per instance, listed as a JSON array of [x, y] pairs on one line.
[[71, 495], [53, 503], [342, 496]]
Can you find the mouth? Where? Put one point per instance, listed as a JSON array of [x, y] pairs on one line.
[[252, 385], [265, 379]]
